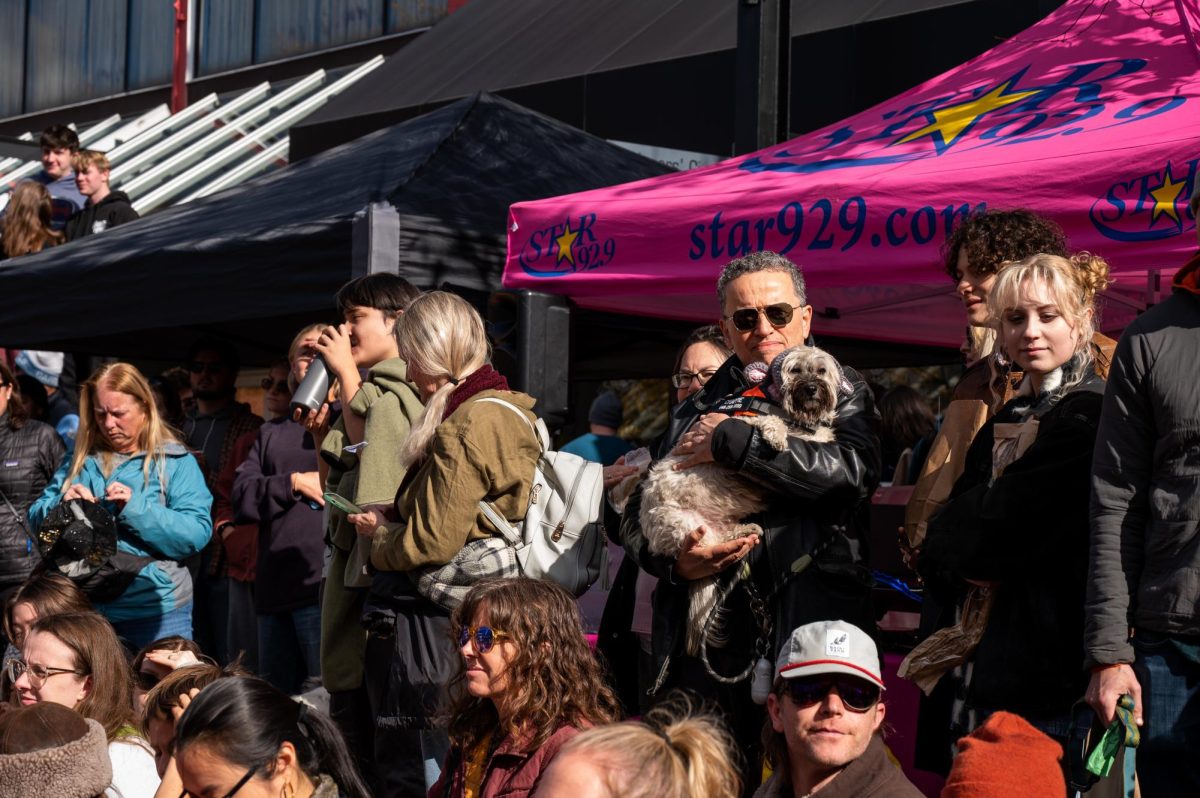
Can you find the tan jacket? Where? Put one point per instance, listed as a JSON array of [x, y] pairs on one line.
[[482, 451]]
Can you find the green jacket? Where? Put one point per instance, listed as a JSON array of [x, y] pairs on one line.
[[389, 404], [482, 451]]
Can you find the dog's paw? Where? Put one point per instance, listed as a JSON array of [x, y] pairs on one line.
[[774, 431], [745, 530]]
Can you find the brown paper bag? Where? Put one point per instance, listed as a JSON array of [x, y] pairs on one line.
[[944, 465], [950, 647]]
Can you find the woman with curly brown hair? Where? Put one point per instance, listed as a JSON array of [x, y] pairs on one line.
[[527, 684], [26, 225]]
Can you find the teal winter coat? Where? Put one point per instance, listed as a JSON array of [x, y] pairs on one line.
[[169, 522]]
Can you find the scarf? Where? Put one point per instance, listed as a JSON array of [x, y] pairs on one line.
[[485, 378]]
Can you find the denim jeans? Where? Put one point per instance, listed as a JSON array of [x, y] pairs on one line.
[[1168, 669], [140, 631], [289, 648]]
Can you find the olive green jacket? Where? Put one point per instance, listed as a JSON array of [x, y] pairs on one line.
[[481, 452], [389, 405]]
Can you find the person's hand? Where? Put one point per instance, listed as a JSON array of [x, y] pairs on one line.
[[616, 472], [696, 561], [308, 485], [334, 346], [118, 494], [167, 661], [78, 491], [365, 523], [182, 703], [696, 443], [1106, 688], [315, 421]]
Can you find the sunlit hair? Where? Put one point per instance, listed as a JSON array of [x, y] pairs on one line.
[[96, 653], [554, 678], [294, 347], [26, 226], [155, 434], [86, 158], [708, 334], [164, 696], [49, 593], [1071, 284], [443, 336], [671, 753]]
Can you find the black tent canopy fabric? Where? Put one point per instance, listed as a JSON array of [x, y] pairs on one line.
[[537, 51], [256, 262]]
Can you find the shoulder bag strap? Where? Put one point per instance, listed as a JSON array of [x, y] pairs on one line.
[[20, 518], [507, 530]]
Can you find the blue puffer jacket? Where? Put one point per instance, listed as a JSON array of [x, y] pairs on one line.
[[170, 523]]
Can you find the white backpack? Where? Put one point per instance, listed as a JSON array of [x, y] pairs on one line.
[[562, 537]]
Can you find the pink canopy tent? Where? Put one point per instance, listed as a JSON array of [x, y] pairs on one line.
[[1090, 117]]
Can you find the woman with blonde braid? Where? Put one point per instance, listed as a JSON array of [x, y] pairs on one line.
[[1015, 529], [466, 447]]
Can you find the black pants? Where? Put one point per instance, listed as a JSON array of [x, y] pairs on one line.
[[351, 711]]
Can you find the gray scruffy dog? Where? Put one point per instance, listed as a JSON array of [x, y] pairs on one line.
[[804, 381]]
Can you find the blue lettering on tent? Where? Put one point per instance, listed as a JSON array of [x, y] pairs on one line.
[[566, 248], [1147, 207]]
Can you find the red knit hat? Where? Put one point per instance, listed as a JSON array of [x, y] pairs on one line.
[[1006, 757]]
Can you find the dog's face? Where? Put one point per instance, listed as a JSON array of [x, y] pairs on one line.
[[809, 388]]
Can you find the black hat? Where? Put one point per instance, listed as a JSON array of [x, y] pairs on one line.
[[77, 537], [606, 410]]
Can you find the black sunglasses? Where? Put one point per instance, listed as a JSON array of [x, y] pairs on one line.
[[241, 783], [485, 637], [857, 695], [212, 368], [269, 385], [777, 315]]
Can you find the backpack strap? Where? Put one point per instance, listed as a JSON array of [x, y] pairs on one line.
[[507, 530], [545, 444]]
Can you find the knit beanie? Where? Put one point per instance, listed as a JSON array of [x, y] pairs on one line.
[[49, 750], [1006, 757], [45, 367], [606, 410]]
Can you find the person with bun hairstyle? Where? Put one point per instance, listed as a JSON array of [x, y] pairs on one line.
[[526, 684], [131, 463], [244, 737], [1015, 529], [670, 753], [75, 660]]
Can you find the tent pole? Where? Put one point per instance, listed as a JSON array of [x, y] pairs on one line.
[[764, 68], [375, 246]]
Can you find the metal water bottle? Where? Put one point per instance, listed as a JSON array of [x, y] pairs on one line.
[[313, 390]]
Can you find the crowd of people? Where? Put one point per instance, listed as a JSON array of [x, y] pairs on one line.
[[202, 602]]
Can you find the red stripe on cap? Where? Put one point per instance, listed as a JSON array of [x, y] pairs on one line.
[[794, 665]]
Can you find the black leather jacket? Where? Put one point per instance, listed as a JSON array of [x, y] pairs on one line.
[[820, 494], [29, 456]]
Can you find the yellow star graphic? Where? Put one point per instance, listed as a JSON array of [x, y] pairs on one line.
[[565, 242], [1165, 197], [950, 123]]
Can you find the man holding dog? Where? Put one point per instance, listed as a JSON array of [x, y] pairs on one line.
[[807, 566]]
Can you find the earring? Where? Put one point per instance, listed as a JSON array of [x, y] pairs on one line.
[[289, 790]]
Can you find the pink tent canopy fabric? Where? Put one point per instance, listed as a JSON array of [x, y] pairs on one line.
[[1091, 117]]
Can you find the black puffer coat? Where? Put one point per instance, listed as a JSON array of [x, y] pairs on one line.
[[29, 456]]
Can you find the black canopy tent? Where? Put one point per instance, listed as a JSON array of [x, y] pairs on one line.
[[256, 262]]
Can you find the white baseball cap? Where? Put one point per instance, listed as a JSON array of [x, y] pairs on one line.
[[829, 647]]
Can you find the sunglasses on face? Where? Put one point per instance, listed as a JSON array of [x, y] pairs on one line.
[[196, 367], [777, 315], [269, 385], [856, 694], [241, 783], [684, 378], [484, 636]]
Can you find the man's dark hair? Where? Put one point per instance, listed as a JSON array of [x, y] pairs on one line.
[[223, 349], [387, 293], [59, 137], [995, 237]]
